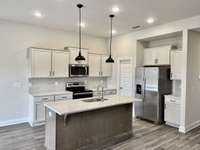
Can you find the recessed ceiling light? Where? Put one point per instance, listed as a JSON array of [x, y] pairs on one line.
[[115, 9], [114, 32], [38, 14], [150, 20], [83, 25]]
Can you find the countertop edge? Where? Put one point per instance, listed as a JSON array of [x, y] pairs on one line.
[[88, 109]]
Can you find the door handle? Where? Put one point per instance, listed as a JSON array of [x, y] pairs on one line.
[[121, 88]]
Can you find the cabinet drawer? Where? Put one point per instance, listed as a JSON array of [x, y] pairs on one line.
[[63, 97], [44, 98], [110, 92]]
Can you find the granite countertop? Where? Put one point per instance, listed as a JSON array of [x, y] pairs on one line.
[[49, 93], [76, 106]]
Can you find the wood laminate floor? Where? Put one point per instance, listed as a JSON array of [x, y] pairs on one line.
[[146, 137]]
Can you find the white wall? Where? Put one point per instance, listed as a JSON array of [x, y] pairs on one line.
[[193, 80], [126, 45], [15, 38]]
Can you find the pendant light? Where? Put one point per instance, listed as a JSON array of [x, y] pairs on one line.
[[79, 57], [110, 59]]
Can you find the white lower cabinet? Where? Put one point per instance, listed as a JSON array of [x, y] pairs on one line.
[[172, 110], [37, 108]]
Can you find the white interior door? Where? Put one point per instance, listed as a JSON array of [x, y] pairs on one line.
[[125, 77]]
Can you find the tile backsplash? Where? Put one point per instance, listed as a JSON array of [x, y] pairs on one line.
[[58, 84]]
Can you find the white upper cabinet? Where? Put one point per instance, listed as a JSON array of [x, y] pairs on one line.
[[176, 64], [40, 63], [106, 67], [48, 63], [60, 64], [94, 65], [157, 56], [74, 53], [98, 66]]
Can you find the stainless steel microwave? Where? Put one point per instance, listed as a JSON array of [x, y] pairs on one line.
[[78, 70]]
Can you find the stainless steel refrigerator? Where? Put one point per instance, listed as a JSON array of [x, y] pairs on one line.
[[152, 83]]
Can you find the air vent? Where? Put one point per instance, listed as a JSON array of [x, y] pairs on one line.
[[136, 27]]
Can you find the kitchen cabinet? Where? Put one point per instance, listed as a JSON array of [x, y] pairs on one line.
[[94, 65], [172, 110], [106, 92], [37, 109], [157, 56], [48, 63], [40, 63], [60, 63], [106, 67], [176, 64], [74, 52], [98, 67], [63, 97]]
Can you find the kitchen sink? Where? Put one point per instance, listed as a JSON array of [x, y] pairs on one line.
[[94, 100]]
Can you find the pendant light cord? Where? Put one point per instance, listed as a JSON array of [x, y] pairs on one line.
[[79, 31], [110, 33]]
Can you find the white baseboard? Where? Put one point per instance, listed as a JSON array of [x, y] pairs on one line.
[[12, 122], [189, 127]]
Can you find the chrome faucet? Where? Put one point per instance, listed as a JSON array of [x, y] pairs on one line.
[[101, 95]]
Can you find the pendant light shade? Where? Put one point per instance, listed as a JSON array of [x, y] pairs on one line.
[[79, 57], [110, 59]]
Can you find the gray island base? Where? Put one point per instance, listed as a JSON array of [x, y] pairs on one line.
[[88, 130]]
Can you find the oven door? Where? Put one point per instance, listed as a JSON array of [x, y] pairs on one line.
[[82, 95], [78, 70]]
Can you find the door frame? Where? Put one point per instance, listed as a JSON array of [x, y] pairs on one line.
[[118, 73]]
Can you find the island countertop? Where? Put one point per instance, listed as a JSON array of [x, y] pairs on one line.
[[77, 106]]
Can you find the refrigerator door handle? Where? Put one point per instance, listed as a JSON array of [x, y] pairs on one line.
[[143, 91]]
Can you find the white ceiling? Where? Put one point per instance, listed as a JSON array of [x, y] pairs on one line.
[[63, 14]]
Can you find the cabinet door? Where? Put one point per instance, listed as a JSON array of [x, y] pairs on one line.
[[106, 68], [60, 64], [41, 63], [176, 65], [39, 112], [162, 55], [172, 113], [94, 65], [149, 57], [74, 53], [157, 56]]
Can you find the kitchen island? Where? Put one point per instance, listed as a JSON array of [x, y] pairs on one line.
[[87, 123]]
